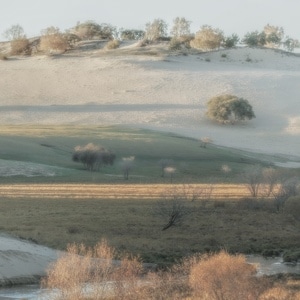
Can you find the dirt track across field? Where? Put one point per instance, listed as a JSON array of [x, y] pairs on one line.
[[122, 191]]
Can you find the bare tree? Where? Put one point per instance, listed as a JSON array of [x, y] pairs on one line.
[[127, 165], [253, 179], [181, 28], [15, 32], [156, 30], [173, 208], [270, 178]]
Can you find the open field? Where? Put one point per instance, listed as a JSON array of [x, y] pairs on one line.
[[54, 201], [43, 154], [131, 225]]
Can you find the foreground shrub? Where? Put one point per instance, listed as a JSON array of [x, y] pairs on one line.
[[224, 276], [96, 266]]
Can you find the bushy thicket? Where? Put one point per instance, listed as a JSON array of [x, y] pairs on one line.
[[213, 276], [93, 157], [52, 40], [91, 30]]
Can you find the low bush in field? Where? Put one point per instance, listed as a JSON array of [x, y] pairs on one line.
[[20, 47]]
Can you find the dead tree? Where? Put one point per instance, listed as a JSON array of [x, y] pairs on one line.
[[174, 208]]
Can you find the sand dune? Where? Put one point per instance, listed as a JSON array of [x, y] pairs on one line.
[[163, 92]]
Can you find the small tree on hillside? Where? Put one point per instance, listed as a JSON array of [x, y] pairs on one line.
[[18, 42], [93, 157], [181, 28], [290, 44], [254, 39], [156, 30], [274, 35], [253, 179], [231, 41], [15, 32], [229, 109], [207, 38]]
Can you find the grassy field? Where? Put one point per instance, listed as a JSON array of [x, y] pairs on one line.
[[131, 225], [54, 201], [49, 150]]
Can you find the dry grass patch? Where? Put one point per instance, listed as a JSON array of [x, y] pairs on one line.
[[20, 47]]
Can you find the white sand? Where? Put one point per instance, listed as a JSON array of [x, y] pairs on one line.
[[20, 260], [167, 93]]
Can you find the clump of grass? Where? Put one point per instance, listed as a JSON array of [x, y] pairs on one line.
[[113, 44], [3, 57], [248, 59], [207, 59], [223, 55]]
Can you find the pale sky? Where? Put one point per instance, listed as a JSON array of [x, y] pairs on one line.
[[231, 16]]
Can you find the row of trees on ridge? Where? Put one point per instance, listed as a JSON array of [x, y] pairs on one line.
[[180, 35]]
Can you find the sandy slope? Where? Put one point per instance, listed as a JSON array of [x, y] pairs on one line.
[[161, 92], [20, 260]]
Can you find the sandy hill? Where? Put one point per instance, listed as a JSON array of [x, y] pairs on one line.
[[149, 87]]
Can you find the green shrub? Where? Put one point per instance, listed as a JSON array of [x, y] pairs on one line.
[[229, 109]]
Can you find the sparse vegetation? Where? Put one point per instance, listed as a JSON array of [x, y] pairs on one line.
[[213, 276], [91, 30]]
